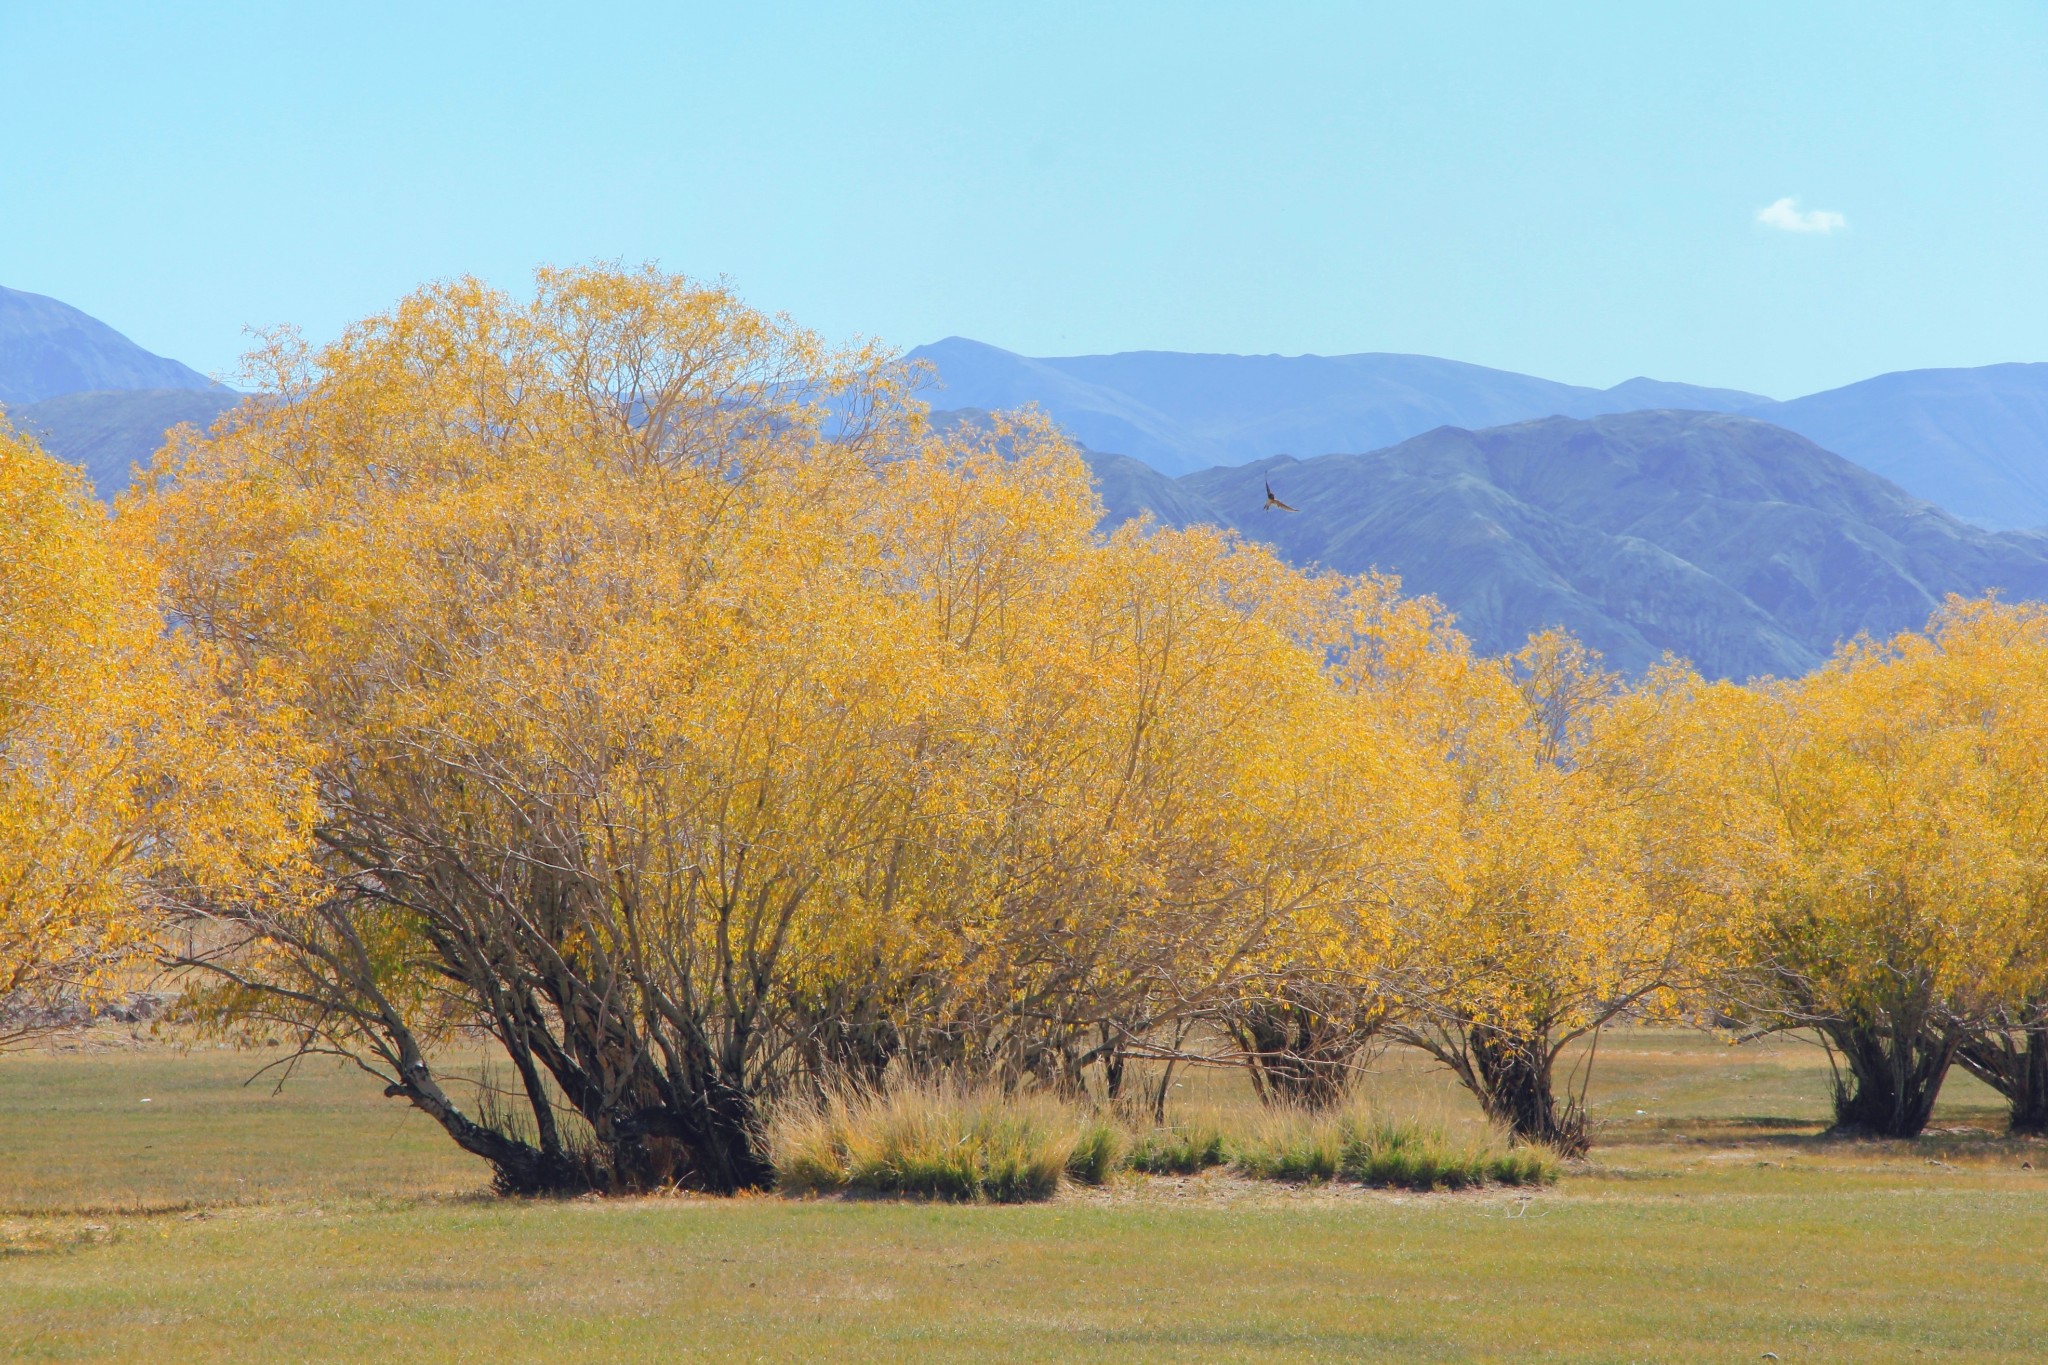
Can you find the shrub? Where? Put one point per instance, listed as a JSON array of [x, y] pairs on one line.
[[938, 1142], [1405, 1156], [942, 1142]]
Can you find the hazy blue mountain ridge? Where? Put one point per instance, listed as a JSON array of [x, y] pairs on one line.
[[1716, 537], [1521, 503], [110, 431], [1182, 412], [1972, 441], [48, 348]]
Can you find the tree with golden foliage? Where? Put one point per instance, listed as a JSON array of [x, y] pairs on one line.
[[1306, 1010], [1550, 898], [561, 596], [680, 710], [1187, 791], [1997, 658], [1900, 899], [85, 717], [1999, 654]]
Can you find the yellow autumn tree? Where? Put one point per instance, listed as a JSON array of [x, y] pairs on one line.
[[1998, 657], [1549, 900], [82, 710], [671, 702], [1900, 900], [1308, 1005], [567, 599], [1164, 784]]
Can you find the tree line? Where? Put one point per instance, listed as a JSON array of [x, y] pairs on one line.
[[631, 678]]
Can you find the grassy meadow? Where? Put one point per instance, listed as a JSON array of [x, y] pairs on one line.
[[223, 1221]]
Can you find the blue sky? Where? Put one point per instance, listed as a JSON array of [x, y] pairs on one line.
[[1571, 190]]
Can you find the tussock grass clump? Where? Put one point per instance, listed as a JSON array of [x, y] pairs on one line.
[[1292, 1145], [1524, 1166], [1309, 1148], [941, 1141], [1100, 1150], [1412, 1157], [1187, 1150], [934, 1141]]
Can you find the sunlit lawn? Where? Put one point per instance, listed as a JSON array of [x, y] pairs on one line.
[[222, 1222]]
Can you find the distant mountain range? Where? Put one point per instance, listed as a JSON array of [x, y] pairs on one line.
[[1181, 412], [1722, 539], [90, 394], [1747, 535], [110, 430], [49, 348], [1972, 441]]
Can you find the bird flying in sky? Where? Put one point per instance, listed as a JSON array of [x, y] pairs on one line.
[[1272, 501]]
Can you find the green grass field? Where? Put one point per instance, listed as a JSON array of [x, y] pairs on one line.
[[223, 1222]]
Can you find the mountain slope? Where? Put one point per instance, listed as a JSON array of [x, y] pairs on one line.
[[109, 431], [1181, 412], [49, 348], [1720, 538], [1974, 441]]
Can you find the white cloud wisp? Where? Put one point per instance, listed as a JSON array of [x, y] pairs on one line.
[[1786, 216]]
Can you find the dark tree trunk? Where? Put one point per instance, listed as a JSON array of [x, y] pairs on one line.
[[517, 1166], [1894, 1076], [1514, 1086], [2014, 1062], [1301, 1052], [1113, 1059], [1165, 1086], [720, 1145]]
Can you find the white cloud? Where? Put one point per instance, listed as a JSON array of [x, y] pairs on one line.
[[1786, 217]]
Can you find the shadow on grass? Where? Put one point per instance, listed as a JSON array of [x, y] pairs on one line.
[[143, 1208], [1761, 1129], [1976, 1138]]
